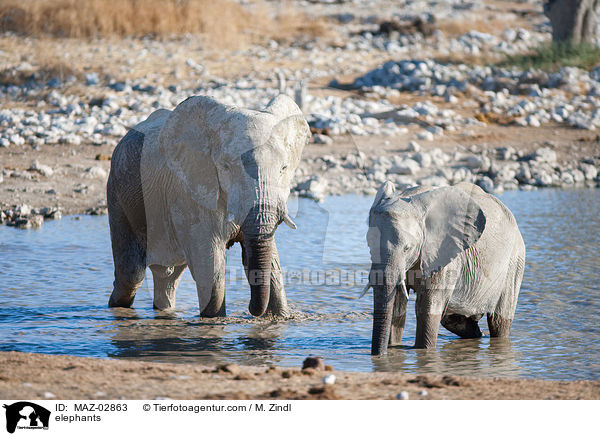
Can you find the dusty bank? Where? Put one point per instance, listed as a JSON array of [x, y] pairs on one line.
[[69, 377]]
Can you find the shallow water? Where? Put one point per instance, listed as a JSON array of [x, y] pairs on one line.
[[55, 283]]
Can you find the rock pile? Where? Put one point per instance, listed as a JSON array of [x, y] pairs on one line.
[[494, 170], [25, 217]]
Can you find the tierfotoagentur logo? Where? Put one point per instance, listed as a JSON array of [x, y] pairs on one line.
[[26, 415]]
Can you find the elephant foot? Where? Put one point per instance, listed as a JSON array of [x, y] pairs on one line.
[[499, 326], [123, 295], [427, 330], [465, 327], [215, 308], [119, 302]]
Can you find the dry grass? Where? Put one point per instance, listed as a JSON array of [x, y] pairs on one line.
[[456, 28], [224, 22]]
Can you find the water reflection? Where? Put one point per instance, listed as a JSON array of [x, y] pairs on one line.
[[53, 295]]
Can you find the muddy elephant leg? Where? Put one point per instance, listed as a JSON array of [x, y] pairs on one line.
[[429, 315], [209, 274], [463, 326], [277, 300], [398, 318], [129, 255], [499, 326], [166, 280]]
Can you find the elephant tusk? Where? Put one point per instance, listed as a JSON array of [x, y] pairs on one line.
[[365, 290], [404, 290], [288, 221]]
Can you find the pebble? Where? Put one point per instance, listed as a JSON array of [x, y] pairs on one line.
[[425, 136], [322, 139], [44, 170], [96, 172], [329, 379], [414, 146], [402, 395], [92, 79], [314, 362], [49, 395], [486, 184]]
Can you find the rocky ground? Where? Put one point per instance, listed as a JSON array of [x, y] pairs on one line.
[[400, 92], [69, 377]]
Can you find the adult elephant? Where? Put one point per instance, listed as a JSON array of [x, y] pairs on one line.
[[186, 184], [457, 247]]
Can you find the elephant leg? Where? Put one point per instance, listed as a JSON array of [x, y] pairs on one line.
[[463, 326], [429, 315], [499, 326], [129, 255], [208, 272], [398, 318], [277, 300], [166, 280]]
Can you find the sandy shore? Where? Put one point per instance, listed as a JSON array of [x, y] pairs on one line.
[[39, 376]]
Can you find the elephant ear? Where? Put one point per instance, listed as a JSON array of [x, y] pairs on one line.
[[386, 190], [187, 141], [453, 223], [291, 127], [283, 106]]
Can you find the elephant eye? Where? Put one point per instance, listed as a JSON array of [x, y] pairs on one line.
[[283, 168], [406, 247]]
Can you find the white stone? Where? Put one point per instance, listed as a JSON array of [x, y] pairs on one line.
[[23, 210], [70, 139], [44, 170], [433, 181], [590, 172], [425, 136], [567, 178], [322, 139], [329, 379], [532, 121], [474, 162], [114, 129], [17, 139], [95, 173], [423, 158], [486, 184], [92, 79], [544, 154], [407, 167], [402, 396], [578, 176], [414, 146]]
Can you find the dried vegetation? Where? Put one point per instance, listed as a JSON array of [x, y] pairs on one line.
[[223, 22]]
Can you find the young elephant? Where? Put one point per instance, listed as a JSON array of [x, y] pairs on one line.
[[186, 184], [457, 247]]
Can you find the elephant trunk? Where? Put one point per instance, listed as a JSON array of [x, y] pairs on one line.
[[258, 230], [384, 285]]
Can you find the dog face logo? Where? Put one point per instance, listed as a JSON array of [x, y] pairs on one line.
[[26, 415]]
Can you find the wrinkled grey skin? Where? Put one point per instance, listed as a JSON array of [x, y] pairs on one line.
[[457, 247], [186, 184]]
